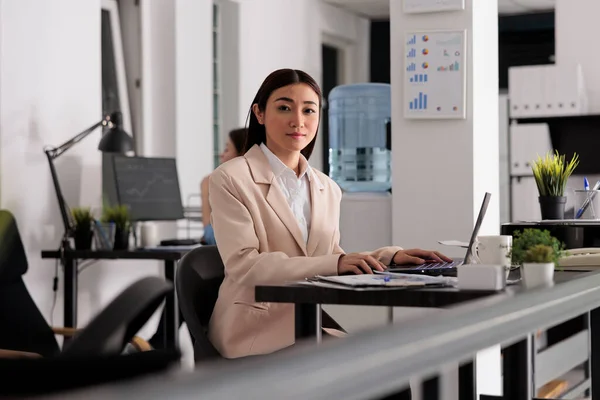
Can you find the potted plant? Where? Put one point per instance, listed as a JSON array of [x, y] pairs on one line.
[[538, 253], [83, 234], [119, 215], [538, 266], [551, 174]]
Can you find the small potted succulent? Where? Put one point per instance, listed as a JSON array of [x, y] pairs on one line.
[[538, 253], [538, 266], [83, 233]]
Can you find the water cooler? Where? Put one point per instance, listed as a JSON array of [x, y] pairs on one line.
[[360, 163], [359, 153]]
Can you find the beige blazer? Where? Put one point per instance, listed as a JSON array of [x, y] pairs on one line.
[[260, 243]]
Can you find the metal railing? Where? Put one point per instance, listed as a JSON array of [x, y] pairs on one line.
[[373, 364]]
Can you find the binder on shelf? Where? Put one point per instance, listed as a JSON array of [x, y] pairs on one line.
[[547, 91]]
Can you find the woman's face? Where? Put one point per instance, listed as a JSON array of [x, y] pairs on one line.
[[290, 117], [229, 152]]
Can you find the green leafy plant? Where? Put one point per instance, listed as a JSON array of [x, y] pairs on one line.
[[83, 217], [118, 214], [540, 253], [552, 172], [532, 238]]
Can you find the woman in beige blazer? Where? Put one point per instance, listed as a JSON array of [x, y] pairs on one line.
[[276, 219]]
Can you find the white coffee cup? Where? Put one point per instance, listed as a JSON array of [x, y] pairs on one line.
[[149, 234], [493, 250]]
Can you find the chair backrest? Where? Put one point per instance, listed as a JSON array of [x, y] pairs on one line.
[[199, 276], [109, 332], [13, 260], [23, 327]]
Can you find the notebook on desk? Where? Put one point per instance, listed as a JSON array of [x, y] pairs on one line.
[[447, 268]]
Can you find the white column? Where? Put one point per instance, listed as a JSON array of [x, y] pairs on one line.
[[177, 91], [442, 168], [158, 78], [194, 94]]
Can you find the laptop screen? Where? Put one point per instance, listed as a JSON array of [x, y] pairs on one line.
[[484, 206]]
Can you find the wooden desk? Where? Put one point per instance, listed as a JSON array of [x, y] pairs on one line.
[[70, 259]]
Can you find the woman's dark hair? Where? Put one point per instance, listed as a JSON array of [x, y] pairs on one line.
[[277, 79], [238, 138]]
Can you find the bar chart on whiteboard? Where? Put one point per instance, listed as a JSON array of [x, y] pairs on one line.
[[434, 84]]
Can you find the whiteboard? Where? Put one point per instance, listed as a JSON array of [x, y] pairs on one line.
[[423, 6], [435, 75]]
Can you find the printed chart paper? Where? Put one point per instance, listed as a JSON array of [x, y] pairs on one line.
[[434, 76]]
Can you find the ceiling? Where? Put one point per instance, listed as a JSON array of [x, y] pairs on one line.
[[380, 9]]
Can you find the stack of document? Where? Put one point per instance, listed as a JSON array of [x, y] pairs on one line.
[[383, 279]]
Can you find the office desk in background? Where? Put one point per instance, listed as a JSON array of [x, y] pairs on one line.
[[70, 276]]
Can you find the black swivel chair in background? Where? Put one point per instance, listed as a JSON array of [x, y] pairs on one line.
[[31, 361], [199, 276]]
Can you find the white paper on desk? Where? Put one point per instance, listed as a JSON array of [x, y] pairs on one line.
[[372, 280], [323, 284], [424, 279], [173, 248], [455, 243]]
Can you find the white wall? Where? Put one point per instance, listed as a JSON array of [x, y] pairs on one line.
[[352, 34], [576, 25]]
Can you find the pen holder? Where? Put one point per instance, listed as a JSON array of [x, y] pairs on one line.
[[587, 204], [104, 236]]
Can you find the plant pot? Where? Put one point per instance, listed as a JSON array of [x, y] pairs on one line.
[[83, 238], [537, 274], [121, 238], [553, 207]]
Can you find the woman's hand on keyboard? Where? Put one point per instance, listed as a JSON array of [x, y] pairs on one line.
[[419, 256], [356, 263]]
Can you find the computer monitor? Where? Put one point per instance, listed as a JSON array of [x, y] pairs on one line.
[[149, 186]]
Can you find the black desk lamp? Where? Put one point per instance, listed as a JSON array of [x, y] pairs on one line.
[[116, 140]]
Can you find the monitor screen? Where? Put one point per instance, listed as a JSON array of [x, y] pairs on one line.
[[148, 186]]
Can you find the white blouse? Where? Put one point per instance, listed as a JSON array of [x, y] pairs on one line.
[[295, 189]]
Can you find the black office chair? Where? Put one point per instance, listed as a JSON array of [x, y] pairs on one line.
[[199, 276], [116, 325], [29, 350]]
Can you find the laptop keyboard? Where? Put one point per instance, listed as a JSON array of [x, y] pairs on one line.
[[438, 265]]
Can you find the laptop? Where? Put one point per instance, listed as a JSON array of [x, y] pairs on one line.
[[447, 268]]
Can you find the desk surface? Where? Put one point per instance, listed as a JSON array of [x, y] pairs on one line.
[[167, 255], [397, 297]]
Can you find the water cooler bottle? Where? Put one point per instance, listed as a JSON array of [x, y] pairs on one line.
[[359, 153]]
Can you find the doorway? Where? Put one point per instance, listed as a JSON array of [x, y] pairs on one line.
[[331, 78]]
